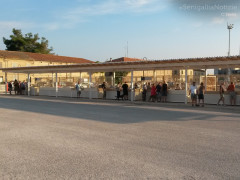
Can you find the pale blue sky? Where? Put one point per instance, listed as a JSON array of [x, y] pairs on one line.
[[100, 29]]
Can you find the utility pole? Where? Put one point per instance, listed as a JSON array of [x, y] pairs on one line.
[[229, 27]]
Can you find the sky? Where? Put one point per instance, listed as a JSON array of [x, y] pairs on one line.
[[102, 29]]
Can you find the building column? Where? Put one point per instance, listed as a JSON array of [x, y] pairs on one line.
[[52, 80], [6, 83], [186, 86], [132, 89], [229, 75], [154, 76], [29, 85], [164, 71], [90, 88], [180, 78], [114, 79], [205, 79], [80, 77], [56, 85]]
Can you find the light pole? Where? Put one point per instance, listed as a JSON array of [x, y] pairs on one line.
[[229, 27]]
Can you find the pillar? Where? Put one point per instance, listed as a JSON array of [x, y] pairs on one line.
[[180, 78], [205, 79], [114, 79], [80, 77], [6, 83], [154, 76], [52, 80], [229, 75], [186, 86], [29, 85], [56, 85], [132, 89], [90, 88]]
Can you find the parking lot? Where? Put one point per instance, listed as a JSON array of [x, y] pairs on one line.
[[69, 138]]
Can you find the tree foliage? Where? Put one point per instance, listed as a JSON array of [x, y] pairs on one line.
[[119, 75], [27, 43]]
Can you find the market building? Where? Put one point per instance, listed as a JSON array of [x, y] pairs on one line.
[[11, 59], [180, 71]]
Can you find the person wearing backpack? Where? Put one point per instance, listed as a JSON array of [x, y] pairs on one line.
[[78, 89]]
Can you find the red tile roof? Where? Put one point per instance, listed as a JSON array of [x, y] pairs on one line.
[[126, 59], [41, 57]]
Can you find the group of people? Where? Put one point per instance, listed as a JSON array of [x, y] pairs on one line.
[[232, 94], [197, 93], [17, 87], [158, 92], [122, 87]]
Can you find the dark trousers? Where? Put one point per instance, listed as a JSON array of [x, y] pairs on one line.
[[144, 95], [118, 94], [104, 94]]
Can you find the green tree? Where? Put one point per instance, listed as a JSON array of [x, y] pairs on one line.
[[119, 76], [27, 43]]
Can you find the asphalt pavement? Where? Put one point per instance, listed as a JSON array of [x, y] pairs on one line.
[[64, 138]]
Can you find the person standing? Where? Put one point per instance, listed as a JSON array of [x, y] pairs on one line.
[[221, 92], [125, 91], [16, 86], [144, 92], [164, 91], [193, 92], [118, 90], [10, 88], [78, 89], [104, 90], [153, 93], [201, 91], [159, 88], [232, 93], [22, 87]]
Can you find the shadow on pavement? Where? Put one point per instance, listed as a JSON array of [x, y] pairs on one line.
[[109, 111]]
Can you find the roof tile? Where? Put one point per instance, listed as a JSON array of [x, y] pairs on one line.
[[41, 57]]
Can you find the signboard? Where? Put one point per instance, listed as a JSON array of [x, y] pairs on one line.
[[146, 78]]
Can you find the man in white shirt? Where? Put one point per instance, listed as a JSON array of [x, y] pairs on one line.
[[78, 88], [193, 92]]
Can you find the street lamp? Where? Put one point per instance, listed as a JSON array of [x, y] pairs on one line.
[[229, 27]]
